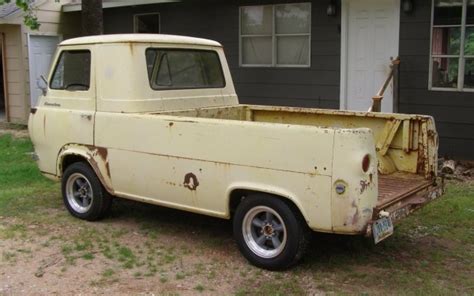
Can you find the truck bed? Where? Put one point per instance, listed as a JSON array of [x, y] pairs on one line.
[[409, 140], [399, 185], [406, 144]]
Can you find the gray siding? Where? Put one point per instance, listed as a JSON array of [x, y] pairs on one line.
[[453, 111], [317, 86]]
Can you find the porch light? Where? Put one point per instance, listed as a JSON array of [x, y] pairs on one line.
[[407, 6], [332, 8]]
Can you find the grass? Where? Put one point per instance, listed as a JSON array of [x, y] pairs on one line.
[[108, 273], [431, 252], [449, 218], [8, 256], [23, 190], [199, 288]]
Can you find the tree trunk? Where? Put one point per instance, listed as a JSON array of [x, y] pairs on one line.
[[92, 18]]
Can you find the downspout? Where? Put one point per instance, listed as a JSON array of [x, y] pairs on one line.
[[5, 84]]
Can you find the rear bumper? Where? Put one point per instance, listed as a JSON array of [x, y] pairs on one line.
[[401, 208]]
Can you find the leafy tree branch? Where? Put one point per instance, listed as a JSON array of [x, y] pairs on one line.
[[30, 19]]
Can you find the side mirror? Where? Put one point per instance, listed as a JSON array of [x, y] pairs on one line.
[[42, 84]]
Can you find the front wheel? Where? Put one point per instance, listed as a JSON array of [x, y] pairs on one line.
[[270, 233], [83, 194]]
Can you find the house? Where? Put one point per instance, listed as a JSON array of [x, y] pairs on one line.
[[25, 56], [330, 53]]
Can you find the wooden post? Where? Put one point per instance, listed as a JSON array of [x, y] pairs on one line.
[[377, 99], [376, 104]]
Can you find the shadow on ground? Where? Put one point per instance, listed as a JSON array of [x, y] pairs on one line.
[[327, 249]]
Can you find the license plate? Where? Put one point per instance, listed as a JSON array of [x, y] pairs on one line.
[[382, 228]]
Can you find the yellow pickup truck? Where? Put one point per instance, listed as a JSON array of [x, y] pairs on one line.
[[155, 118]]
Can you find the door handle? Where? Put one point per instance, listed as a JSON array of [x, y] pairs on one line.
[[86, 116]]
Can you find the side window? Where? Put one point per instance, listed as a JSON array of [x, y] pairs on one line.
[[184, 68], [72, 71]]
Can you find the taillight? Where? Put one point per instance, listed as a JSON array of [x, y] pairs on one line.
[[366, 163]]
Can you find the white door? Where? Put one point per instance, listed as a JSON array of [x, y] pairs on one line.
[[41, 51], [372, 36]]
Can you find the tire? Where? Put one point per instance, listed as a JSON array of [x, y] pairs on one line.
[[83, 194], [270, 232]]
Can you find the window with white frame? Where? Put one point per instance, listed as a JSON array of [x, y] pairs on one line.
[[452, 45], [275, 35]]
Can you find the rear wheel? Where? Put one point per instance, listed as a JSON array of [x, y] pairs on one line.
[[83, 194], [270, 233]]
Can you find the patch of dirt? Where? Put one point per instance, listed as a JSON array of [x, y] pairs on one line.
[[17, 131], [430, 242], [45, 271], [198, 261]]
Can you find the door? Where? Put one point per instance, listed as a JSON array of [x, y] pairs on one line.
[[41, 51], [67, 113], [372, 38]]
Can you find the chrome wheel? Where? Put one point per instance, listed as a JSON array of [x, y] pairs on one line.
[[264, 232], [79, 193]]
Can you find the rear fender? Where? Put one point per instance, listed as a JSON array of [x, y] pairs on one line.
[[263, 188]]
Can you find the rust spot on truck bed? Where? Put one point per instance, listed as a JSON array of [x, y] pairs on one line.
[[355, 218], [364, 184], [190, 181]]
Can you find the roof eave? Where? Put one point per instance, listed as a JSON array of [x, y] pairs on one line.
[[116, 3]]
